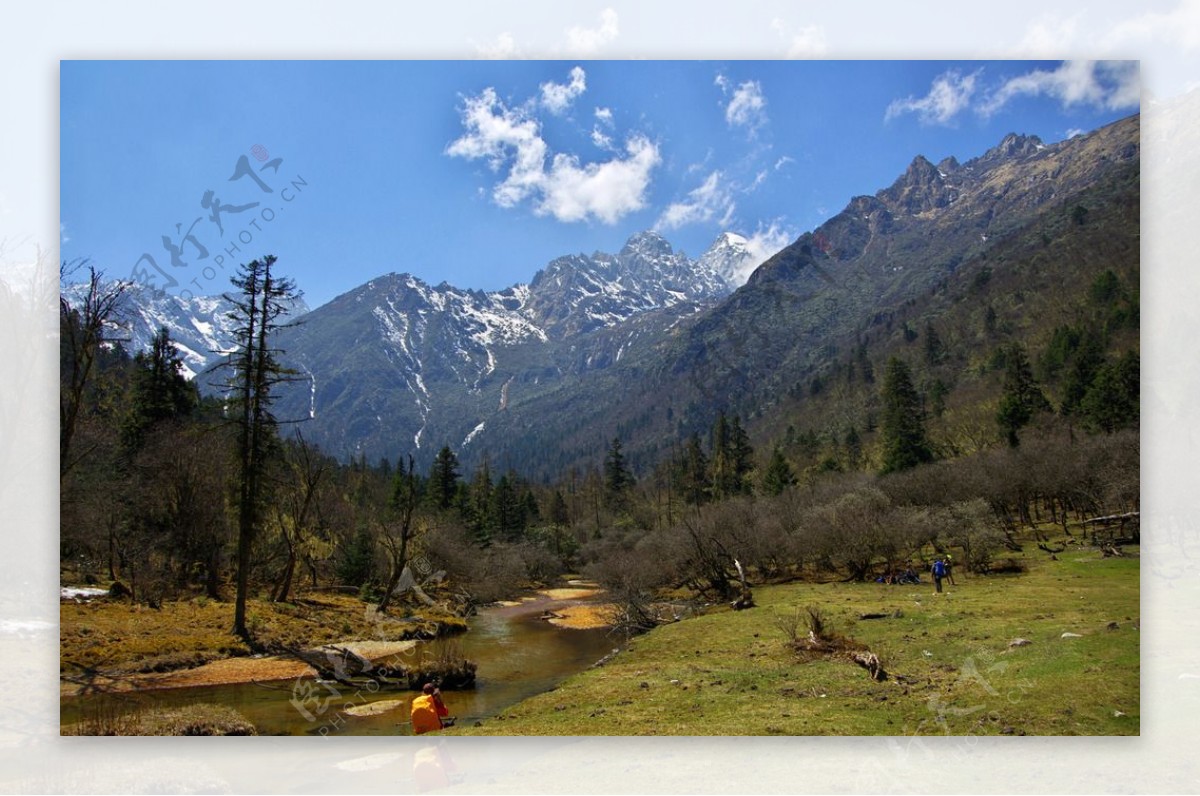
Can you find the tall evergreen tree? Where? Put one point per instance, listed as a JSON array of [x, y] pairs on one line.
[[617, 477], [854, 450], [935, 352], [1021, 397], [479, 504], [902, 428], [742, 455], [692, 472], [1085, 361], [1112, 401], [160, 391], [261, 299], [507, 511], [778, 475], [559, 515], [443, 479], [720, 458]]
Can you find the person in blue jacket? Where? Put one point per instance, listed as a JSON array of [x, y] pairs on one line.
[[939, 571]]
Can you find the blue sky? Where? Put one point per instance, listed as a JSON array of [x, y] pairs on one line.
[[480, 172]]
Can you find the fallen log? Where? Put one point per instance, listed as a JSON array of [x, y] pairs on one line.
[[870, 662]]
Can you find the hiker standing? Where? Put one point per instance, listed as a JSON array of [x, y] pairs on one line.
[[939, 571], [950, 569]]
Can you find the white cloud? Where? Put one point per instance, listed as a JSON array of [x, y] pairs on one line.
[[1049, 35], [1074, 131], [510, 140], [1171, 35], [721, 82], [1180, 26], [764, 244], [712, 200], [767, 241], [586, 41], [783, 161], [557, 97], [600, 139], [949, 95], [808, 42], [605, 115], [1103, 84], [606, 191], [502, 47], [504, 137], [748, 106]]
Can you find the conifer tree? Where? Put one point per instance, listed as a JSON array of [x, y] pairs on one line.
[[778, 475], [479, 504], [854, 450], [1085, 362], [261, 299], [742, 456], [559, 515], [720, 466], [1021, 397], [617, 477], [902, 429], [692, 472], [443, 479], [507, 510], [1112, 402], [160, 391]]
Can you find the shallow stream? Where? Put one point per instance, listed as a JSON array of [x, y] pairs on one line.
[[518, 655]]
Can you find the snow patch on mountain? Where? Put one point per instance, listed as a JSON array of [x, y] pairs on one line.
[[200, 326]]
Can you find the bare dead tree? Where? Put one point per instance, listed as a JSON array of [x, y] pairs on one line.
[[397, 528], [83, 328]]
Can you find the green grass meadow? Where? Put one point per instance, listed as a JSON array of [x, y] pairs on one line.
[[951, 670]]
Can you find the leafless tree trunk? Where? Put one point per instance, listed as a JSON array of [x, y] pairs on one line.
[[83, 331]]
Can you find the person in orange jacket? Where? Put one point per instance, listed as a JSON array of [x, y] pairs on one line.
[[428, 710]]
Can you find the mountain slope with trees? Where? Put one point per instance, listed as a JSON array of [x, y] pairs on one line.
[[941, 271]]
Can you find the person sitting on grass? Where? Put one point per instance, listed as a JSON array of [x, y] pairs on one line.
[[428, 710]]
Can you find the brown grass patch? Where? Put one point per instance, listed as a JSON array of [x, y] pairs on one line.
[[109, 718], [583, 617]]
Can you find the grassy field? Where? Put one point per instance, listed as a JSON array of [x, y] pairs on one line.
[[950, 664], [118, 637]]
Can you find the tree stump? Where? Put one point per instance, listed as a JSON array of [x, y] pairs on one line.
[[745, 600]]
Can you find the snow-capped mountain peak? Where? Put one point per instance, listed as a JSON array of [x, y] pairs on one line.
[[730, 257]]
